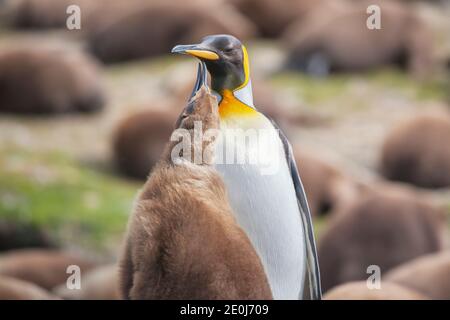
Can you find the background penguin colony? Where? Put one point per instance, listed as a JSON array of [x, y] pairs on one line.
[[370, 130]]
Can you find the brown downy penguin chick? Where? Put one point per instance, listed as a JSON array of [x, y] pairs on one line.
[[47, 14], [15, 289], [42, 14], [417, 151], [383, 227], [337, 39], [326, 187], [101, 283], [183, 241], [429, 275], [152, 29], [48, 81], [45, 268], [358, 290], [272, 17], [140, 139]]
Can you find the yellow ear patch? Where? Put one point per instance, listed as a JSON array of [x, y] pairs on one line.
[[203, 54], [246, 65]]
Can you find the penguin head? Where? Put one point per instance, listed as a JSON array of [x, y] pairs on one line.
[[225, 58]]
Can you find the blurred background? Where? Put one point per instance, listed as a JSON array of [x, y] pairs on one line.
[[85, 113]]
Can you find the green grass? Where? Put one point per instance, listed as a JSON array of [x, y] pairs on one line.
[[146, 65], [76, 204], [319, 224], [431, 89], [315, 91]]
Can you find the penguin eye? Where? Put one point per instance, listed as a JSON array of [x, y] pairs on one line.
[[228, 50]]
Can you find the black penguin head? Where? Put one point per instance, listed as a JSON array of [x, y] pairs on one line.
[[226, 60]]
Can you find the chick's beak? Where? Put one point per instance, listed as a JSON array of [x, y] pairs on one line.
[[196, 51]]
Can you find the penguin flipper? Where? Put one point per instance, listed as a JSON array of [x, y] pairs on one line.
[[313, 279]]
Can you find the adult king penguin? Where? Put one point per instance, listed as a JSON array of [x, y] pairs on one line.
[[270, 206]]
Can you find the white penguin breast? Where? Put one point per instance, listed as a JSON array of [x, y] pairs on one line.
[[264, 202]]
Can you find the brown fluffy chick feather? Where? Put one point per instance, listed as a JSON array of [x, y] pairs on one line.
[[183, 242]]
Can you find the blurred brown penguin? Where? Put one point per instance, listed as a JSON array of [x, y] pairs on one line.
[[36, 14], [152, 29], [326, 187], [16, 235], [335, 38], [358, 290], [384, 227], [183, 241], [272, 17], [45, 268], [139, 141], [417, 151], [429, 275], [48, 81], [100, 283], [15, 289]]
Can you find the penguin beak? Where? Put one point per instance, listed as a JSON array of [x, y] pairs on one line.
[[202, 79], [196, 51], [199, 84]]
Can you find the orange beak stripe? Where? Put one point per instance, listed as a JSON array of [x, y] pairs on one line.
[[203, 54]]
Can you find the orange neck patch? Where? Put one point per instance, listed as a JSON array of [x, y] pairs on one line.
[[230, 106]]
